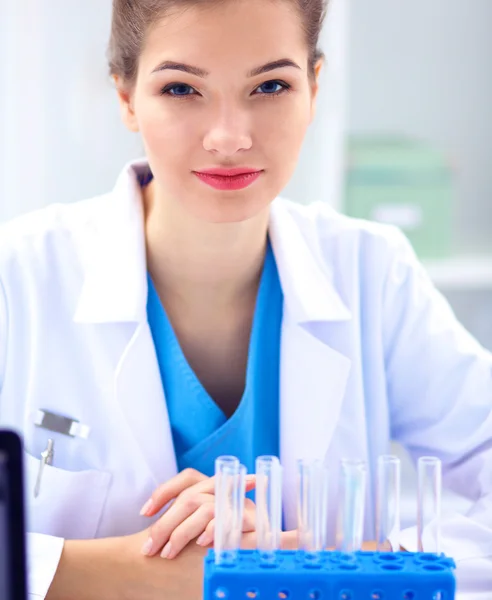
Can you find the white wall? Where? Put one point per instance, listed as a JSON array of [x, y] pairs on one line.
[[424, 67], [320, 172], [62, 139]]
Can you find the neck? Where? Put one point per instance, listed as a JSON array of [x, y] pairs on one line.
[[212, 263]]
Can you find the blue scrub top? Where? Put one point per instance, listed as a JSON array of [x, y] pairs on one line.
[[201, 432]]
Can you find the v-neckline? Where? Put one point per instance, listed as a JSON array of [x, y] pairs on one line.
[[201, 394]]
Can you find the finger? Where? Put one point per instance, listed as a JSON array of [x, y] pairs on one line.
[[249, 524], [249, 517], [188, 530], [250, 482], [171, 489], [207, 537], [188, 480], [208, 486], [180, 511]]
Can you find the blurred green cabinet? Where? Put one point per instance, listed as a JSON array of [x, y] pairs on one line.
[[405, 183]]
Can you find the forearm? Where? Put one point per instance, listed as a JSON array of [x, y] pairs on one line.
[[89, 569], [113, 569]]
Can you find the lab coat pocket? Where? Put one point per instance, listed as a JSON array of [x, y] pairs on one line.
[[69, 503]]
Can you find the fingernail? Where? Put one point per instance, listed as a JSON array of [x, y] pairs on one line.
[[147, 547], [202, 540], [166, 553], [146, 507], [250, 477]]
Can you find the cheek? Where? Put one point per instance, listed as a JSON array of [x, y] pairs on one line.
[[284, 125], [165, 135], [282, 137]]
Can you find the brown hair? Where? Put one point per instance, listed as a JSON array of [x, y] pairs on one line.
[[133, 18]]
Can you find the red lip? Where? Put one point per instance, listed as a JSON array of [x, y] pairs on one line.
[[229, 182], [228, 172]]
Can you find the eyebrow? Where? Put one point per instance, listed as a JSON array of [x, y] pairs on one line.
[[271, 66]]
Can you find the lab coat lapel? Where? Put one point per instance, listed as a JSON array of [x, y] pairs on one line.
[[115, 291], [313, 375], [139, 394], [313, 379]]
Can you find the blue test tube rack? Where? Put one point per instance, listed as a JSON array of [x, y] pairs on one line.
[[330, 575]]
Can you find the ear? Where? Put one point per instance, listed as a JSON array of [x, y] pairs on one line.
[[315, 87], [126, 102]]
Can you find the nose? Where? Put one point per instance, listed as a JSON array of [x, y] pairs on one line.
[[229, 132]]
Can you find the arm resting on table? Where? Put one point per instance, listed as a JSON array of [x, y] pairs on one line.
[[114, 569]]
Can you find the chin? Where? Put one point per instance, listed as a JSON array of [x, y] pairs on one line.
[[230, 210]]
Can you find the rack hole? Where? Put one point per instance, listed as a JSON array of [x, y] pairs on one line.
[[408, 595], [252, 594], [221, 593], [348, 567], [439, 595], [429, 557], [377, 595], [314, 595], [433, 567], [283, 594], [347, 557], [389, 557], [345, 595], [392, 567]]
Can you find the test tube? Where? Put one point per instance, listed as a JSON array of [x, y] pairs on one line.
[[388, 502], [351, 505], [429, 503], [312, 505], [268, 505], [230, 489]]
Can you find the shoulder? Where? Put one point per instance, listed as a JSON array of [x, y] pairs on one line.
[[53, 231], [339, 237]]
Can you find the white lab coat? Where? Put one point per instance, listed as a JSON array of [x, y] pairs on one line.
[[369, 351]]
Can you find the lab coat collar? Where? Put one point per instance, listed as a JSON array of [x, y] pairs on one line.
[[307, 282], [115, 286]]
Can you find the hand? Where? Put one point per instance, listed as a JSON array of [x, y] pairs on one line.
[[288, 540], [370, 546], [190, 516], [154, 579], [112, 568]]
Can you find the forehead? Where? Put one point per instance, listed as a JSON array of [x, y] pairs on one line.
[[225, 33]]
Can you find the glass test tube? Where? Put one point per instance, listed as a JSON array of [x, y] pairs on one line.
[[268, 505], [230, 489], [352, 495], [312, 505], [429, 503], [388, 503]]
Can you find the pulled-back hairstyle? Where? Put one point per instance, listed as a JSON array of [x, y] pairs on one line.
[[132, 19]]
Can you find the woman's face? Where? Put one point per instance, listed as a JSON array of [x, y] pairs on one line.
[[222, 115]]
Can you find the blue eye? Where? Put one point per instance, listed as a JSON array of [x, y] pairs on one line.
[[269, 88], [182, 90]]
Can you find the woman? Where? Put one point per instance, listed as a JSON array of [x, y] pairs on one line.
[[192, 313]]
